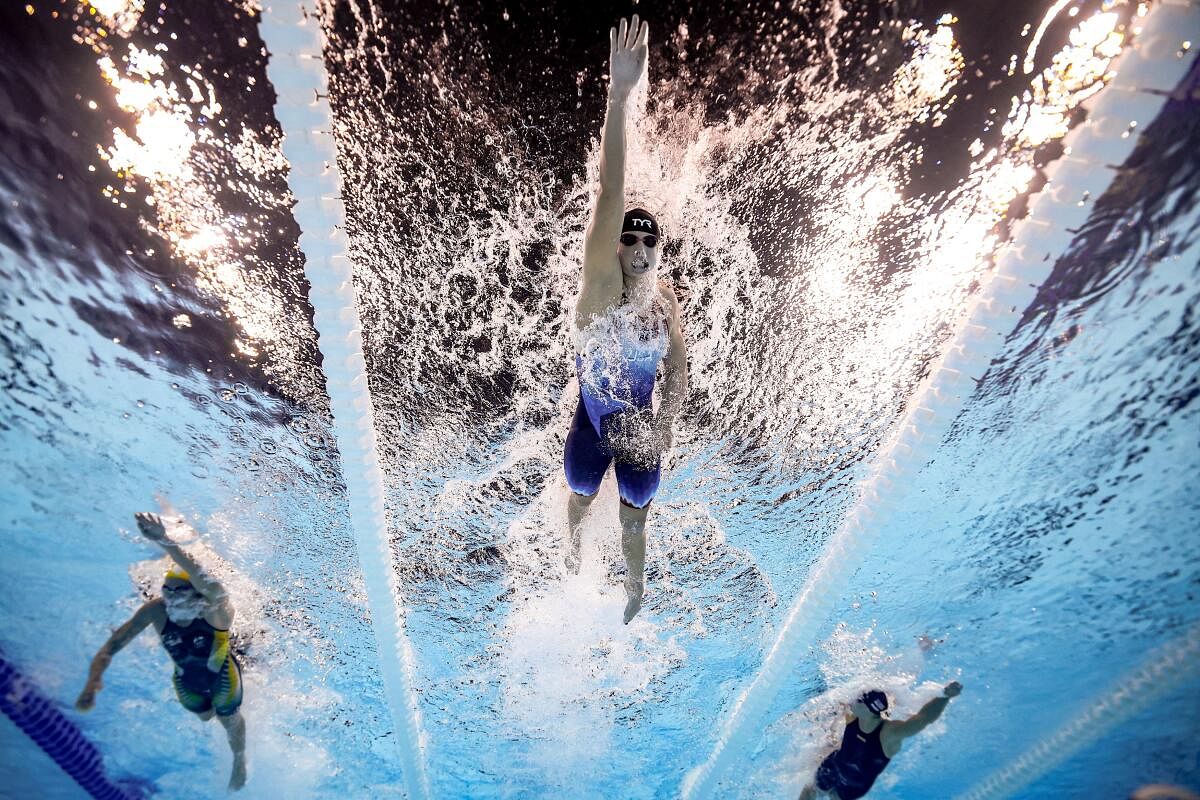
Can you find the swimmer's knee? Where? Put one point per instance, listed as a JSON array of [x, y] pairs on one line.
[[580, 496]]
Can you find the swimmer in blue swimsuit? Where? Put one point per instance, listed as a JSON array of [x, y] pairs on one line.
[[192, 619], [626, 328], [869, 743]]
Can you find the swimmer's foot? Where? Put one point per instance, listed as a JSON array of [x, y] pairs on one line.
[[237, 778], [633, 591]]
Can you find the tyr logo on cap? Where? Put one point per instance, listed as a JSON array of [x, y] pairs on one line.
[[639, 220]]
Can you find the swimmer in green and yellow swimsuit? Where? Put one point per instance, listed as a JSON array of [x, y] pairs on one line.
[[192, 618]]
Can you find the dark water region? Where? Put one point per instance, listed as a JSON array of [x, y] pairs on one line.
[[1129, 230], [59, 214]]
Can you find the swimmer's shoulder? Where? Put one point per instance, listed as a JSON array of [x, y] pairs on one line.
[[154, 610]]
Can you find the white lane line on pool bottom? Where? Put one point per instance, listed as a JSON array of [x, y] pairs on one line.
[[1168, 667]]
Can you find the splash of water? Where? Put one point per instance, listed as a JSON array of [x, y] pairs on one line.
[[809, 320]]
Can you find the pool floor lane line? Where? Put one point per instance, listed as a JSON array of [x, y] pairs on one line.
[[292, 33], [1165, 669], [39, 718]]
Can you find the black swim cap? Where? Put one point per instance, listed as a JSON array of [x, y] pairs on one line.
[[875, 700], [639, 220]]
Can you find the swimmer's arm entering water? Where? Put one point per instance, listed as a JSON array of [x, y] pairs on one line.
[[152, 527], [675, 383], [602, 280], [150, 612], [894, 733]]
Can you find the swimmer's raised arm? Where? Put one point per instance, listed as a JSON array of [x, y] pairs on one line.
[[151, 526], [602, 281]]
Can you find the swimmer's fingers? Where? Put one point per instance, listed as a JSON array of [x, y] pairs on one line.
[[631, 40], [622, 33], [151, 525], [87, 698], [612, 44], [643, 34]]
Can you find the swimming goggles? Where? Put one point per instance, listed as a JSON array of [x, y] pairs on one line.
[[630, 239]]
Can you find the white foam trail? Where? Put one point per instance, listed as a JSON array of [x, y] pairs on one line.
[[1166, 669], [1146, 72], [293, 35]]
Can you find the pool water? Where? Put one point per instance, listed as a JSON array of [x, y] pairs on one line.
[[834, 183]]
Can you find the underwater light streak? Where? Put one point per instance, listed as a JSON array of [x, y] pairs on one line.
[[982, 327], [162, 159], [1027, 66], [296, 69]]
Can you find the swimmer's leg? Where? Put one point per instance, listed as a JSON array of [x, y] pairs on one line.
[[585, 459], [633, 545], [637, 484], [227, 702], [235, 730], [577, 508]]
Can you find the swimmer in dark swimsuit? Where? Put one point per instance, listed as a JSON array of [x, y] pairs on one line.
[[869, 743], [626, 326], [192, 619]]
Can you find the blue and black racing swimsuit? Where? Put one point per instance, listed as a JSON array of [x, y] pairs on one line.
[[851, 770], [617, 364]]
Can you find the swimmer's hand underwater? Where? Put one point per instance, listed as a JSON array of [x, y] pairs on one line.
[[87, 698], [151, 526], [627, 55]]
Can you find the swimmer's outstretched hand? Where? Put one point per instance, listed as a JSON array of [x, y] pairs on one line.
[[87, 698], [627, 55], [151, 526], [953, 689]]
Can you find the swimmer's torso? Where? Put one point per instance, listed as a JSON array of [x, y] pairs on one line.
[[199, 650], [860, 758], [617, 358]]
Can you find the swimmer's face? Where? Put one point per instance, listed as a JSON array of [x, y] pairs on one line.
[[176, 589], [638, 259], [182, 602], [860, 710]]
